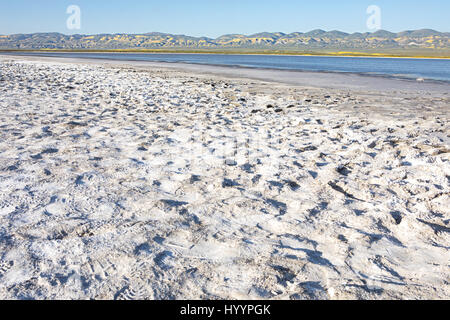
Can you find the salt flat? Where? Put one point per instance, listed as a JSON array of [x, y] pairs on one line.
[[147, 182]]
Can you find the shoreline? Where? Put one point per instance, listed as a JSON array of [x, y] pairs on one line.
[[319, 79]]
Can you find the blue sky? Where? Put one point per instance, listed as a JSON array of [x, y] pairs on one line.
[[217, 17]]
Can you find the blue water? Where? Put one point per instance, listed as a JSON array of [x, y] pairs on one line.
[[434, 69]]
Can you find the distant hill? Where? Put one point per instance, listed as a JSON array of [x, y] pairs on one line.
[[316, 40]]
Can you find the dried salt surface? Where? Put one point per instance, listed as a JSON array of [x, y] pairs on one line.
[[124, 183]]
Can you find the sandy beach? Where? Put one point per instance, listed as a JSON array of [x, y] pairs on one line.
[[169, 181]]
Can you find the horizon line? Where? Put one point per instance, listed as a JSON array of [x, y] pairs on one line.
[[226, 34]]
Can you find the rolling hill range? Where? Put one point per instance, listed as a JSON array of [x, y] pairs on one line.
[[425, 40]]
